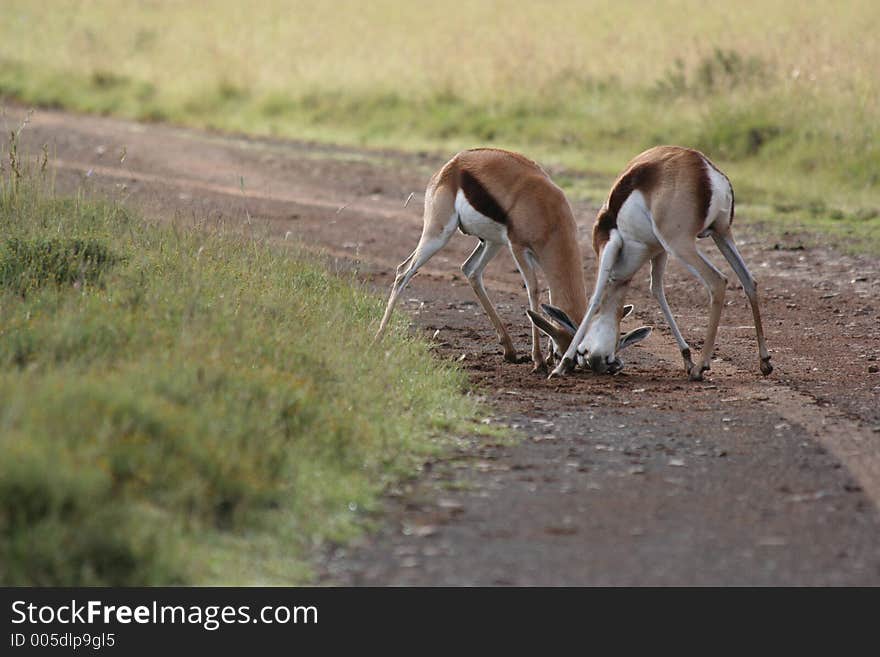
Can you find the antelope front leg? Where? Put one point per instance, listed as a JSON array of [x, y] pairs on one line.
[[658, 267], [715, 283], [530, 278], [539, 364]]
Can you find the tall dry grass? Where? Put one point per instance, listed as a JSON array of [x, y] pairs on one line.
[[785, 95], [477, 49]]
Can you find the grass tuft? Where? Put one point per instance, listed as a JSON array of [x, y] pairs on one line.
[[29, 264], [189, 406]]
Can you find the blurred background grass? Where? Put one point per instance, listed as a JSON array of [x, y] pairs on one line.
[[784, 94]]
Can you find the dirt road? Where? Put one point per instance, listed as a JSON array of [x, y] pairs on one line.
[[640, 478]]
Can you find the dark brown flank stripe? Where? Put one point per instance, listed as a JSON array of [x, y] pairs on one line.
[[704, 193], [641, 176], [732, 204], [480, 198]]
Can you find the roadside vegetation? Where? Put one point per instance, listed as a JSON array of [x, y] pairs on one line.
[[784, 95], [190, 405]]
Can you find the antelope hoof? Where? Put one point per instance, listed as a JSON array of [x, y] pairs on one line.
[[565, 366], [766, 367], [540, 367], [696, 372], [511, 357]]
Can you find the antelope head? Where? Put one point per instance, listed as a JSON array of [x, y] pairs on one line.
[[600, 349]]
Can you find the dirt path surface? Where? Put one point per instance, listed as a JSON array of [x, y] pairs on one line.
[[640, 478]]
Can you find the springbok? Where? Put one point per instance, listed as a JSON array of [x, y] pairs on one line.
[[504, 198], [666, 198]]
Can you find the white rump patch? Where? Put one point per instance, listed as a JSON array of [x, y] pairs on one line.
[[722, 197]]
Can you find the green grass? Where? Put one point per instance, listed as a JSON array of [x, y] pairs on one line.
[[188, 406], [784, 95]]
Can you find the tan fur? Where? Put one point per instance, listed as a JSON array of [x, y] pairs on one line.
[[538, 220], [677, 188], [675, 185]]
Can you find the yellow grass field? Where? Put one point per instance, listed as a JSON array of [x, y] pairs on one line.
[[481, 50], [784, 94]]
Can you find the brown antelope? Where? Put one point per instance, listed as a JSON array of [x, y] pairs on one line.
[[503, 198], [666, 198]]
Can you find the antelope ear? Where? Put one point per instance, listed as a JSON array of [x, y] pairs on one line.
[[549, 328], [629, 339], [559, 316], [627, 311]]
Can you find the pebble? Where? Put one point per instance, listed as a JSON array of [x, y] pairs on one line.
[[451, 505]]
